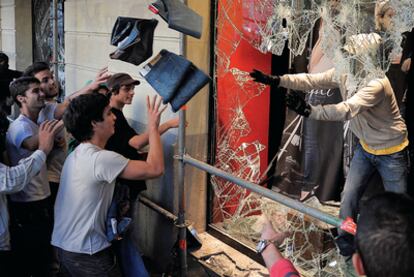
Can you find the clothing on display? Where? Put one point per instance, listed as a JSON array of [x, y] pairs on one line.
[[175, 78], [133, 38], [179, 17]]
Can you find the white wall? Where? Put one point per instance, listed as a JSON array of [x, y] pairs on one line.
[[16, 32]]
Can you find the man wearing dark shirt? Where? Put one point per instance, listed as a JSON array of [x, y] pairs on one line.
[[6, 77], [126, 141]]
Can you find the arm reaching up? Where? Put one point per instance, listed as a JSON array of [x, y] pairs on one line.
[[101, 77], [154, 165]]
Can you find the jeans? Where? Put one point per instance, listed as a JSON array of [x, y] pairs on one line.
[[101, 264], [176, 79], [393, 169], [130, 259], [179, 17]]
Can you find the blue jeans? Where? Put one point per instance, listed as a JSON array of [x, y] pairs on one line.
[[130, 259], [176, 79], [393, 169]]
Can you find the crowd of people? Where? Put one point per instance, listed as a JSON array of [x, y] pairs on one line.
[[70, 209], [72, 170]]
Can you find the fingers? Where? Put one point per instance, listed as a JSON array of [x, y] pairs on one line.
[[155, 104], [52, 126], [57, 127], [102, 71]]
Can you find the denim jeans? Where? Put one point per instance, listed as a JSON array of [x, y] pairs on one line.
[[393, 170], [101, 264], [130, 259], [179, 17], [176, 79]]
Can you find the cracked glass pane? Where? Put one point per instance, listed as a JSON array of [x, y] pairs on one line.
[[361, 39]]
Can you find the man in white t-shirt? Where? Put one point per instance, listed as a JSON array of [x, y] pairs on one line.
[[88, 181], [30, 208]]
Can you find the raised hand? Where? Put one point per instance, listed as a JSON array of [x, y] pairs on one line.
[[260, 77], [101, 77], [154, 111], [47, 133]]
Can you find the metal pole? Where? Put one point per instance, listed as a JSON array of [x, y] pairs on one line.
[[157, 208], [182, 235], [293, 204], [182, 230], [55, 41]]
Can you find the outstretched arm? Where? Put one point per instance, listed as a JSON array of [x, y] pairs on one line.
[[142, 140], [100, 78], [154, 165], [13, 179], [277, 265]]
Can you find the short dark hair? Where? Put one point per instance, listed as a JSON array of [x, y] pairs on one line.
[[35, 68], [385, 235], [20, 86], [81, 112], [4, 58]]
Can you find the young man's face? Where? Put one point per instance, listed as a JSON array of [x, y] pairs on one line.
[[106, 127], [125, 94], [34, 98], [47, 83]]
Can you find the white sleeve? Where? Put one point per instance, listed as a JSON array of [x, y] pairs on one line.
[[13, 179], [362, 100], [108, 165], [306, 82], [19, 133]]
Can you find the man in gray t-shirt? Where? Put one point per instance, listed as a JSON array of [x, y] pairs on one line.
[[88, 181]]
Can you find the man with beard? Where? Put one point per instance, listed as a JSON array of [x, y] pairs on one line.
[[49, 86]]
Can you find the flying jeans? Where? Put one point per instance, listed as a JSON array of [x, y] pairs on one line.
[[174, 78], [393, 169]]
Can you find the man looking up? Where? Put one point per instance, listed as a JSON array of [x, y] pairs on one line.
[[88, 182], [126, 141]]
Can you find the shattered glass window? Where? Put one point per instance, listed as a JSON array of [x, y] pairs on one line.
[[362, 39]]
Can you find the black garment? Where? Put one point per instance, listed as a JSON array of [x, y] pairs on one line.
[[30, 230], [102, 263], [5, 263], [6, 77], [409, 106], [134, 38], [119, 143]]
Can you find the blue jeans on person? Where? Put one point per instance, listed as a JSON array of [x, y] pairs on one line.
[[175, 79], [130, 259], [393, 169]]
